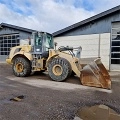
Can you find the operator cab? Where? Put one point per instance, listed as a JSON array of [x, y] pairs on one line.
[[41, 42]]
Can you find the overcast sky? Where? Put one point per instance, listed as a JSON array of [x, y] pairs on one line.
[[51, 15]]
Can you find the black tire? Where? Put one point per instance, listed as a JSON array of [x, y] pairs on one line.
[[23, 71], [65, 69]]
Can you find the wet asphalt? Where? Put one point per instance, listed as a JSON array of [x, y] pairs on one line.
[[41, 103]]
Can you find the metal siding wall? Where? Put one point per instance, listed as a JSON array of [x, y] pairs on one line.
[[23, 35], [6, 30], [89, 44], [102, 25]]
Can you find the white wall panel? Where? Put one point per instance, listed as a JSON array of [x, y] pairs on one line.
[[105, 48], [90, 45]]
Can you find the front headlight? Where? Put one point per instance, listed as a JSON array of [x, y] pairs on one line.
[[37, 50]]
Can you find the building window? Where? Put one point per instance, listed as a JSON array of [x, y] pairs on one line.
[[8, 41]]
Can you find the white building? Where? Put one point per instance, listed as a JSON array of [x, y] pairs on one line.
[[99, 36]]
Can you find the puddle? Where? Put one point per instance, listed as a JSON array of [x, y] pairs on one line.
[[8, 101], [97, 112]]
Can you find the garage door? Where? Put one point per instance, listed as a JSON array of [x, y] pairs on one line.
[[6, 42], [115, 46]]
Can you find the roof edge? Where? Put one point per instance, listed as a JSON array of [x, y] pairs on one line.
[[17, 27], [95, 17]]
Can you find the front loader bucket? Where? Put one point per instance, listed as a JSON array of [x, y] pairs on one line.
[[96, 75]]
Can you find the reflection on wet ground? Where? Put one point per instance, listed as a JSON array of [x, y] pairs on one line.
[[97, 112]]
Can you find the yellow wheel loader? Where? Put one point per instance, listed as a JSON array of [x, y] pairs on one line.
[[40, 55]]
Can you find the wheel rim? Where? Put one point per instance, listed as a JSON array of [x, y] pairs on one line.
[[57, 70], [19, 67]]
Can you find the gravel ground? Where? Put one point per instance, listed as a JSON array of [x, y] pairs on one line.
[[47, 103]]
